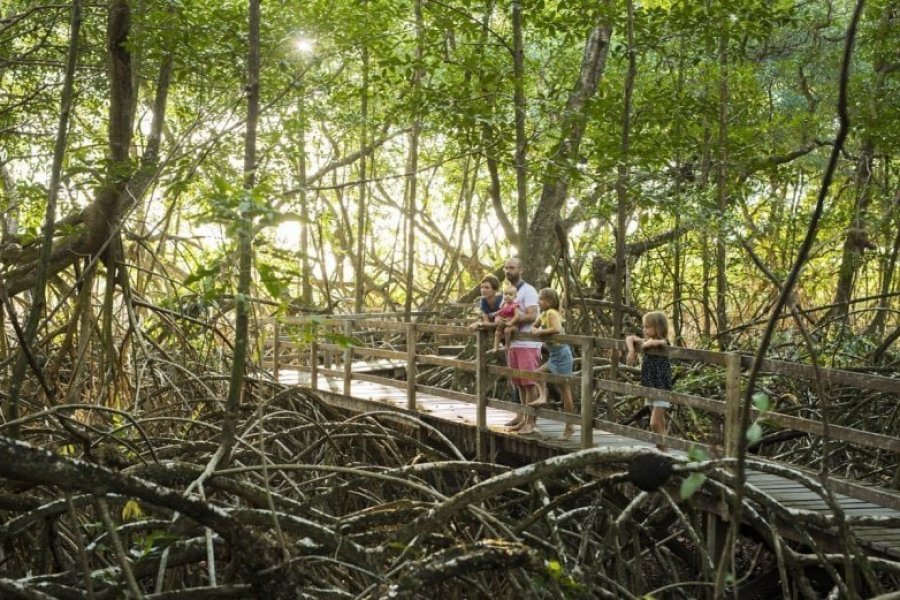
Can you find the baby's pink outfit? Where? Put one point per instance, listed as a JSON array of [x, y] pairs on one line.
[[508, 310]]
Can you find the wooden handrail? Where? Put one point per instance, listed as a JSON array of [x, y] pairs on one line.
[[729, 407]]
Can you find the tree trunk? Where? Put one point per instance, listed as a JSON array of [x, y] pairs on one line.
[[876, 327], [519, 106], [305, 268], [852, 253], [622, 181], [542, 248], [413, 165], [99, 220], [9, 222], [245, 244], [722, 196], [677, 251], [705, 293], [359, 302], [38, 301]]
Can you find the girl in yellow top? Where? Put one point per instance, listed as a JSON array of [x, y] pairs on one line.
[[561, 360]]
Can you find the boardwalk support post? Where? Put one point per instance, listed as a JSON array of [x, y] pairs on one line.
[[481, 386], [411, 341], [276, 349], [326, 355], [732, 404], [587, 394], [348, 356], [615, 355], [716, 528], [314, 361]]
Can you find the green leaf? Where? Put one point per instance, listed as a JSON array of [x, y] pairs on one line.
[[691, 484], [762, 402], [697, 454], [754, 433], [554, 568], [342, 340], [276, 284], [132, 510], [211, 271]]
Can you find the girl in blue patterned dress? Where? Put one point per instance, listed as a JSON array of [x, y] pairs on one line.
[[656, 370]]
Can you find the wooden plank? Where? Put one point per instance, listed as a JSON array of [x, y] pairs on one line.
[[445, 329], [443, 361], [864, 381], [450, 350], [411, 338], [834, 376], [733, 430], [534, 375], [482, 444], [461, 410], [847, 434], [619, 387], [391, 355], [587, 395]]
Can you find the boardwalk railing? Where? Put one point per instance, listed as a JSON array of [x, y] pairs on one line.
[[329, 347]]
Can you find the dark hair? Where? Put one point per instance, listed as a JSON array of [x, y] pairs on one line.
[[495, 283]]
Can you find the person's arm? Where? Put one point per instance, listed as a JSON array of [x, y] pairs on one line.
[[522, 318], [655, 343], [554, 325], [483, 323], [484, 307], [529, 315], [631, 357]]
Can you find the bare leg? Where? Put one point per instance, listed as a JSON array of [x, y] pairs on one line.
[[531, 393], [568, 406], [658, 424], [520, 420], [541, 388], [517, 421]]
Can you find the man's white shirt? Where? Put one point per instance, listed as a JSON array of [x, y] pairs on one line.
[[526, 297]]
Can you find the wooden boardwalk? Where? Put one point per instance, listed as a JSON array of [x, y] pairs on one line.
[[457, 416], [448, 410]]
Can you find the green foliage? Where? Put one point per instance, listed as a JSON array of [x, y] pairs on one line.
[[274, 282], [754, 432], [153, 543], [557, 572], [697, 454], [694, 481], [690, 485], [763, 404], [779, 69]]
